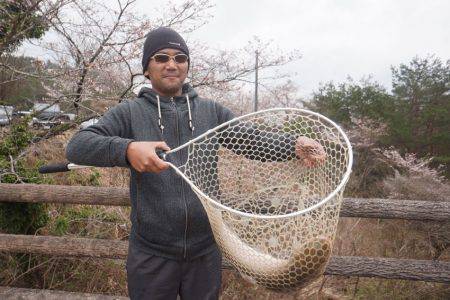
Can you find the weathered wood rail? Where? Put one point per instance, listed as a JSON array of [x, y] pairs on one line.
[[351, 207], [11, 293], [436, 271], [389, 268]]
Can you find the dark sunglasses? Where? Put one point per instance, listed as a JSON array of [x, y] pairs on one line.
[[161, 58]]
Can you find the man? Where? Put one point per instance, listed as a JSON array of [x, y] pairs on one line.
[[171, 247]]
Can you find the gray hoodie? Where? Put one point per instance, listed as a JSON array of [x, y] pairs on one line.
[[167, 218]]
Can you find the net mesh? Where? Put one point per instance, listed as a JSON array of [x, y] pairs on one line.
[[262, 194]]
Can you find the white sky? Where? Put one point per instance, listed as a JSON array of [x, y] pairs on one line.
[[337, 38]]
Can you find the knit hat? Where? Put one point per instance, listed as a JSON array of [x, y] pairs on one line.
[[161, 38]]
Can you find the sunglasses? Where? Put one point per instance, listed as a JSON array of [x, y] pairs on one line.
[[161, 58]]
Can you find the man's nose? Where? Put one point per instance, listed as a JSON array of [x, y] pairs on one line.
[[171, 64]]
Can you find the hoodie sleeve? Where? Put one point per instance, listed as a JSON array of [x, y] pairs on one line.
[[223, 113], [105, 143], [247, 139]]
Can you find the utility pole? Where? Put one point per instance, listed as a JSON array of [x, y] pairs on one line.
[[255, 104]]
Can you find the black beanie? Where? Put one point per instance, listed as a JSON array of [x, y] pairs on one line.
[[161, 38]]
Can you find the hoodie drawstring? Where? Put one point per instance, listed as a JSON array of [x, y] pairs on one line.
[[191, 125], [159, 115]]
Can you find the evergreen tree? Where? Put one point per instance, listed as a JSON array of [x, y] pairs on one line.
[[20, 90], [417, 113], [350, 101], [421, 119], [19, 20]]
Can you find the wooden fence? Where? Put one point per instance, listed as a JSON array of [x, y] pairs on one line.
[[407, 269]]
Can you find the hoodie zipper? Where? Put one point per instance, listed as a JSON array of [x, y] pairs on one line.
[[182, 182]]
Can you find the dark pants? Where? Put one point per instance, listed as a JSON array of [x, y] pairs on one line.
[[154, 277]]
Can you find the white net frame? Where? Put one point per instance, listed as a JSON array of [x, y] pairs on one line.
[[273, 218]]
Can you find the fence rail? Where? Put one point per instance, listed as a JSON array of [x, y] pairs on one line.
[[408, 269], [351, 207], [12, 293]]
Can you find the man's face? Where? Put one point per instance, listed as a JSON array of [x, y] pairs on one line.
[[167, 78]]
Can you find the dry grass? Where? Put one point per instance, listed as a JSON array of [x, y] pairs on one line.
[[397, 239], [53, 151], [103, 276], [234, 288], [416, 188]]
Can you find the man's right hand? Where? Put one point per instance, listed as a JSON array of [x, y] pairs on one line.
[[142, 156]]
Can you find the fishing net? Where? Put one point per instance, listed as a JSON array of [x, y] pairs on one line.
[[273, 217]]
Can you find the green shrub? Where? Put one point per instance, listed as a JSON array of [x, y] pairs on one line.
[[19, 218]]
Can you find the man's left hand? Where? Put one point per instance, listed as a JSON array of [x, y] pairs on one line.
[[310, 152]]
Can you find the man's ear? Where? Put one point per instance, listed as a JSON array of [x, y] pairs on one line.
[[146, 74]]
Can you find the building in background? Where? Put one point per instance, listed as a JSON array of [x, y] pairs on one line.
[[45, 111], [6, 114]]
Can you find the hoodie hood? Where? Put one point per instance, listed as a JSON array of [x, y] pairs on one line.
[[151, 95]]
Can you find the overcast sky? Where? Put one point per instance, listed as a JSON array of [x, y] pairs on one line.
[[337, 38]]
